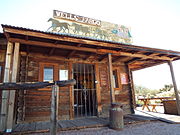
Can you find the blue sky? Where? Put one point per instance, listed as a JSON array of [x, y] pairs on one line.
[[154, 23]]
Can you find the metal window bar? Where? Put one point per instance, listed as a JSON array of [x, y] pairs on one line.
[[80, 90], [89, 91]]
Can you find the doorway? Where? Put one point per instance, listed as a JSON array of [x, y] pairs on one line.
[[84, 90]]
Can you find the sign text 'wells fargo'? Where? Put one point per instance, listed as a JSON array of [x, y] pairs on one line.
[[77, 18]]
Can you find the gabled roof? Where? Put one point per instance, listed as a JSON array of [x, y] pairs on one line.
[[136, 56]]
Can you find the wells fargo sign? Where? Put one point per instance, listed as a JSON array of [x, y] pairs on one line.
[[77, 18], [63, 22]]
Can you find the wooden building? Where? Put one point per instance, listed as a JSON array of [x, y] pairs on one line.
[[28, 55]]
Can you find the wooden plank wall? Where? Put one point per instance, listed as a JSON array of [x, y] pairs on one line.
[[34, 105], [122, 95], [2, 62]]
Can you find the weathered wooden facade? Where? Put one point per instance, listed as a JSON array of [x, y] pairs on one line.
[[28, 55]]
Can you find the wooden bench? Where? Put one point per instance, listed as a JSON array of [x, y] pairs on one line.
[[147, 102], [154, 106]]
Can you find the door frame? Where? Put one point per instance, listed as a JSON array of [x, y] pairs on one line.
[[98, 105]]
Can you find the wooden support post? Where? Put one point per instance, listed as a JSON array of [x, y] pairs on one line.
[[175, 86], [112, 94], [54, 109], [71, 94], [10, 116], [98, 90], [131, 85], [5, 94]]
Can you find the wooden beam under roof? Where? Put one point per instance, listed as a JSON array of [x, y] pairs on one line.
[[87, 56], [133, 60], [135, 66], [86, 49], [51, 51], [118, 58], [73, 52], [102, 57]]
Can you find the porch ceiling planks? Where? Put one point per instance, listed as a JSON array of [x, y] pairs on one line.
[[73, 52], [86, 49]]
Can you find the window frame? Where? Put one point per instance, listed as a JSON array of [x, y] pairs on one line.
[[1, 73], [55, 71], [117, 70]]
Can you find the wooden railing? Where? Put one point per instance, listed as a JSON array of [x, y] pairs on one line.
[[36, 85]]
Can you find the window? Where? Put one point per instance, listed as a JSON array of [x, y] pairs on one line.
[[0, 73], [48, 72], [116, 78]]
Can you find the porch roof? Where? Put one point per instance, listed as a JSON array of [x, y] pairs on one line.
[[68, 45]]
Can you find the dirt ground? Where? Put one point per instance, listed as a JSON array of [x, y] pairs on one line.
[[146, 128]]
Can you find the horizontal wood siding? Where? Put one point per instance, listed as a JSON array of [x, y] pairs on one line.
[[36, 103], [105, 90], [2, 62], [123, 94]]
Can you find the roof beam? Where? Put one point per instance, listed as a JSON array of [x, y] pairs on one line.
[[73, 52], [118, 58], [51, 51], [102, 57], [89, 55], [133, 60], [86, 49]]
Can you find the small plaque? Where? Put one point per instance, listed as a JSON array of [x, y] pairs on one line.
[[63, 75], [124, 78]]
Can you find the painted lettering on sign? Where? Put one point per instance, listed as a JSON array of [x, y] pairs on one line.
[[77, 18], [63, 22]]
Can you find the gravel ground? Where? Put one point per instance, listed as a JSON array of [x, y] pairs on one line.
[[147, 128]]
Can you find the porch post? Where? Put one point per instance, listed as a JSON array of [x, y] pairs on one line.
[[112, 95], [175, 86], [10, 114], [54, 109], [5, 94], [98, 90], [71, 94], [131, 84]]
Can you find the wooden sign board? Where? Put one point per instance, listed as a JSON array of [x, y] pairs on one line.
[[2, 57], [103, 78], [124, 78], [63, 22]]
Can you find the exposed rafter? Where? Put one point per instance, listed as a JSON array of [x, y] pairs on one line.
[[73, 52], [51, 51], [86, 49], [87, 56], [132, 60], [102, 57], [118, 58]]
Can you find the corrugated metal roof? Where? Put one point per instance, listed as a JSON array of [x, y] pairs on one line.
[[125, 46]]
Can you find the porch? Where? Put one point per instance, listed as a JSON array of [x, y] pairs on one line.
[[63, 125]]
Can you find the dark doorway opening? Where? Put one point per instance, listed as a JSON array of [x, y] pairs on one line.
[[84, 90]]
